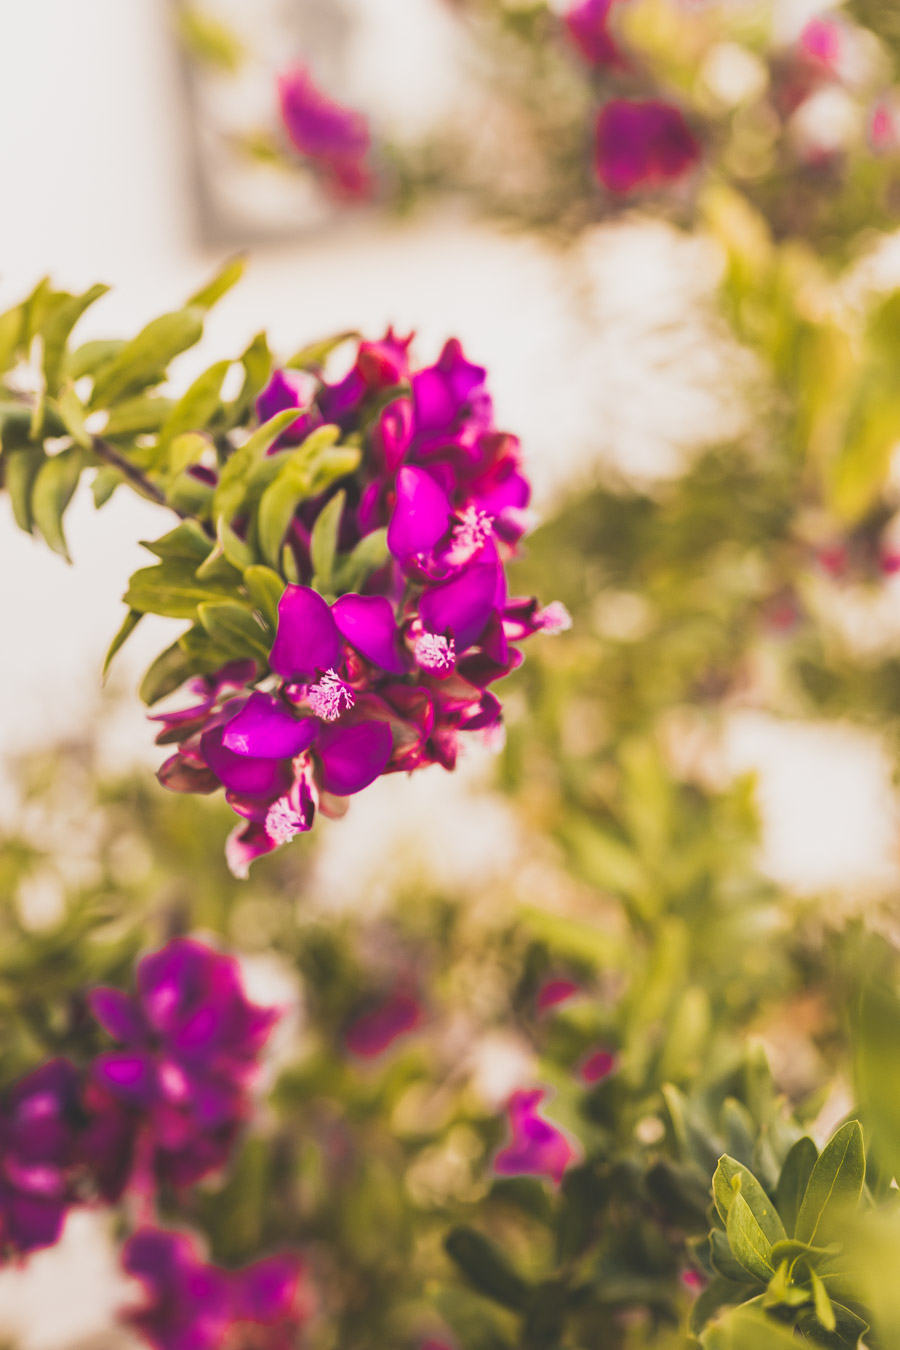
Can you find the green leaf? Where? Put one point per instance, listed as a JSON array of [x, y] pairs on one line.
[[747, 1328], [324, 541], [209, 295], [332, 465], [235, 549], [12, 324], [257, 362], [106, 480], [54, 488], [129, 624], [208, 40], [792, 1183], [749, 1244], [239, 467], [72, 413], [197, 406], [144, 359], [317, 353], [266, 589], [234, 628], [172, 590], [835, 1185], [355, 569], [188, 540], [138, 416], [167, 673], [91, 357], [20, 469], [184, 452], [822, 1303], [56, 331], [732, 1179], [486, 1268]]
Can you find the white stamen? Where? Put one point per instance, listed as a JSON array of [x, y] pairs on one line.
[[330, 697], [471, 534], [554, 618], [435, 653], [282, 822]]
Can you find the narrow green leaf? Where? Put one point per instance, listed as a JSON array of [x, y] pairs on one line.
[[172, 590], [91, 357], [792, 1183], [72, 413], [236, 550], [727, 1173], [208, 40], [317, 353], [56, 331], [234, 629], [184, 452], [229, 275], [197, 406], [746, 1238], [54, 488], [835, 1185], [12, 325], [188, 540], [138, 416], [144, 359], [355, 569], [822, 1303], [20, 469], [324, 541], [106, 480], [167, 673], [238, 469], [486, 1268], [257, 362], [332, 465], [129, 624], [266, 589]]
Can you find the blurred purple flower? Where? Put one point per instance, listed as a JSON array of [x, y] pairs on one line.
[[642, 144], [40, 1119], [375, 1031], [536, 1148], [174, 1096], [191, 1305], [821, 39], [587, 23], [334, 139], [599, 1064], [554, 992]]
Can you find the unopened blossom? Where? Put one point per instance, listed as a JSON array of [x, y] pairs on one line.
[[642, 145], [191, 1305], [334, 139], [40, 1119], [536, 1147], [375, 1031], [388, 678], [170, 1101], [597, 1065], [588, 25]]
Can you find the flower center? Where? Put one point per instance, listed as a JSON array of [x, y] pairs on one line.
[[330, 697], [435, 653], [283, 822], [470, 535]]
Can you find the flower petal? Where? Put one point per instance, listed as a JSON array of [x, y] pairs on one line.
[[307, 640], [462, 606], [265, 729], [367, 622], [353, 756], [129, 1077], [267, 778], [118, 1014], [421, 515]]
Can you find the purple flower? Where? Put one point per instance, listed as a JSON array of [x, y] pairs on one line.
[[40, 1119], [335, 140], [536, 1147], [178, 1090], [599, 1064], [587, 23], [376, 1030], [642, 144], [554, 992], [191, 1305]]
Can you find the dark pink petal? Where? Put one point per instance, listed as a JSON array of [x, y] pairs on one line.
[[537, 1148], [353, 756], [266, 1291], [266, 778], [187, 1303], [32, 1222], [462, 606], [642, 144], [598, 1065], [375, 1031], [449, 392], [588, 26], [554, 992], [179, 773], [289, 389], [42, 1114], [421, 516], [129, 1077], [244, 845], [367, 622], [266, 729], [308, 640], [118, 1014]]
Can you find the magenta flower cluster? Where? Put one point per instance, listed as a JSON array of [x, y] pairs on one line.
[[334, 140], [386, 680], [164, 1107]]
